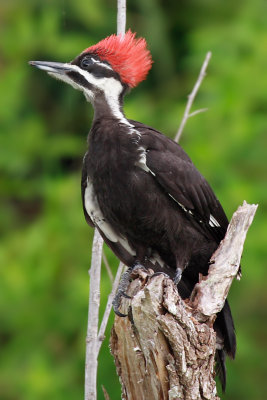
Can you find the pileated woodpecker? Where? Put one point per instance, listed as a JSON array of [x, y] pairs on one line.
[[139, 188]]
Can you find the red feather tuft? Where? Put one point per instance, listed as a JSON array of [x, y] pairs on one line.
[[127, 55]]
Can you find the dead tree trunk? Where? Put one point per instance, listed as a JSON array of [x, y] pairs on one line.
[[165, 348]]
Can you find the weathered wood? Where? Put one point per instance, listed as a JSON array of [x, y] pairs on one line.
[[165, 348], [209, 294], [162, 351]]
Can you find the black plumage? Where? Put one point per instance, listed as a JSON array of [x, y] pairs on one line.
[[139, 188], [165, 210]]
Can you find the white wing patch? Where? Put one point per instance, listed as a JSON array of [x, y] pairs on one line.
[[92, 207], [93, 210], [142, 161], [156, 259], [182, 206], [142, 164], [213, 222]]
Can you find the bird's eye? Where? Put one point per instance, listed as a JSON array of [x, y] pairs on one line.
[[85, 62]]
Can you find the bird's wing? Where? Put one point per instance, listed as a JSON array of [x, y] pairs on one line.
[[180, 179], [83, 188], [118, 244]]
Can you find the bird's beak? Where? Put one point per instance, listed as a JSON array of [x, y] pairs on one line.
[[52, 67]]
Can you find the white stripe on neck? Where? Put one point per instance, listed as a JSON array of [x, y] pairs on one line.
[[110, 87]]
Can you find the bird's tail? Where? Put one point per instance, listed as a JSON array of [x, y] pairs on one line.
[[224, 327], [220, 367]]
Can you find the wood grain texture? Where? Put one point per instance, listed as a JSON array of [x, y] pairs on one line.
[[165, 347]]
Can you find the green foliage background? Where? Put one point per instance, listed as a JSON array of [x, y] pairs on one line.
[[45, 244]]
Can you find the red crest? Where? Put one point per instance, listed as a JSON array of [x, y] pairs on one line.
[[127, 55]]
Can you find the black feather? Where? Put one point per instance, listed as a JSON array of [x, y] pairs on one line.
[[159, 212]]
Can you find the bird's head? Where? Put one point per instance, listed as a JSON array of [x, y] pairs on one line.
[[109, 67]]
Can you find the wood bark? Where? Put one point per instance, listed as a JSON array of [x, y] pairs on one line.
[[165, 347]]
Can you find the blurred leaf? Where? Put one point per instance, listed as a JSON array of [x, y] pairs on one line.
[[45, 243]]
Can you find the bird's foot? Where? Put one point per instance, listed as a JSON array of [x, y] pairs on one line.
[[160, 273], [178, 276], [121, 292], [122, 288], [137, 266], [117, 301]]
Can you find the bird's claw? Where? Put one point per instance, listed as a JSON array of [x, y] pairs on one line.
[[177, 276], [137, 266], [123, 286], [125, 295], [160, 273], [121, 292], [117, 301]]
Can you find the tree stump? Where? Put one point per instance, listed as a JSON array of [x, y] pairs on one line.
[[165, 348]]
